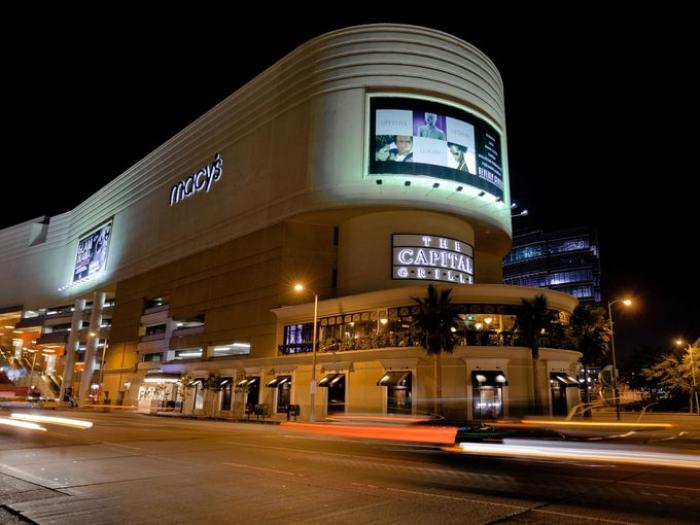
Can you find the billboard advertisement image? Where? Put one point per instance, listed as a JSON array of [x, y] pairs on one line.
[[91, 258], [418, 137]]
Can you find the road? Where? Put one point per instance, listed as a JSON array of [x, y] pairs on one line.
[[132, 468]]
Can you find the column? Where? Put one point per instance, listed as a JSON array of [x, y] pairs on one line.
[[98, 302], [72, 346]]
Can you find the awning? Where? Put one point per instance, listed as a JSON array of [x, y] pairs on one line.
[[196, 382], [394, 379], [564, 379], [331, 379], [488, 378], [223, 381], [248, 381], [279, 380]]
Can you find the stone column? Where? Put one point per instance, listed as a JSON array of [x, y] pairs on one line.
[[72, 346], [98, 302]]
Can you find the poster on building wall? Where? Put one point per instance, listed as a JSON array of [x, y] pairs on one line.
[[419, 137], [91, 258]]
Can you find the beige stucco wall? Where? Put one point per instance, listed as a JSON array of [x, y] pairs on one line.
[[365, 250], [293, 141]]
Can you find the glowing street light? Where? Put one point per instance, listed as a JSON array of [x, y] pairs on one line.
[[694, 391], [626, 302], [312, 412]]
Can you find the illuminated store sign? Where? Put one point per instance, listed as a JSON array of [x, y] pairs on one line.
[[200, 180], [420, 137], [432, 258], [91, 258]]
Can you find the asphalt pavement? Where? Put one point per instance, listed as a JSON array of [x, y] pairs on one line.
[[133, 468]]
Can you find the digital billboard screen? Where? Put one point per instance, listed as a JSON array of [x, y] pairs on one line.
[[419, 137], [91, 258]]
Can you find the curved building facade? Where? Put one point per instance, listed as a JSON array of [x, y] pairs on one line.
[[367, 163]]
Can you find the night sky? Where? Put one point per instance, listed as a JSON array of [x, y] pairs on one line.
[[598, 110]]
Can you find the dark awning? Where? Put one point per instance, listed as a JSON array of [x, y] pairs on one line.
[[248, 381], [563, 378], [196, 382], [394, 379], [279, 380], [331, 379], [223, 381], [488, 378]]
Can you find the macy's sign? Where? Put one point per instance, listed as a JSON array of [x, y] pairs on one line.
[[200, 180]]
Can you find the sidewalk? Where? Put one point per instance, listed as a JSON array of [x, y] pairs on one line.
[[215, 418], [677, 419]]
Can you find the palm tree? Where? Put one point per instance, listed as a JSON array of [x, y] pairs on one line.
[[436, 323], [533, 321], [591, 333]]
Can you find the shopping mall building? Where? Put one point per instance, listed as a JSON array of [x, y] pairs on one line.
[[366, 164]]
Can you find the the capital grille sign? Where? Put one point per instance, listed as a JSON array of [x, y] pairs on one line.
[[432, 258]]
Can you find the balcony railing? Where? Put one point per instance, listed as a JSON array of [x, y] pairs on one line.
[[193, 330], [470, 338], [155, 309], [152, 337]]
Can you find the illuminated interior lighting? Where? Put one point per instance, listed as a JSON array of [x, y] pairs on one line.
[[384, 321], [195, 353]]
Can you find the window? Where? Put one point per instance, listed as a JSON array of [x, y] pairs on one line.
[[188, 353], [524, 253], [146, 358], [569, 277], [155, 329], [226, 385], [229, 349], [487, 393], [568, 245], [335, 398], [297, 338], [399, 392], [283, 384], [535, 280]]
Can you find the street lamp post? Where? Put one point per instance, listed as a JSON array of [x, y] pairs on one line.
[[694, 391], [313, 386], [616, 391]]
